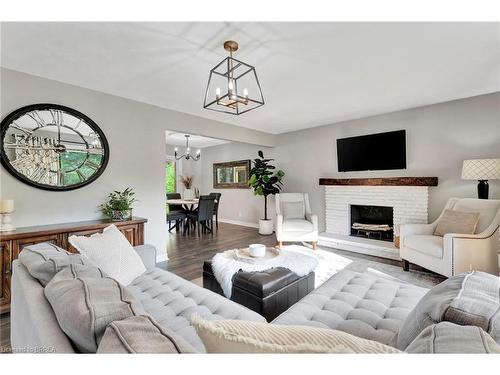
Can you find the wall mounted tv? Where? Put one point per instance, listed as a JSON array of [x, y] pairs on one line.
[[372, 152]]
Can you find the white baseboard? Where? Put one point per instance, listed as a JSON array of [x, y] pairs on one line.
[[238, 222]]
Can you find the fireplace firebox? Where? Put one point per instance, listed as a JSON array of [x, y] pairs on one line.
[[374, 222]]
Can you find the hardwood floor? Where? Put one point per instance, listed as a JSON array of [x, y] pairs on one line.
[[187, 254]]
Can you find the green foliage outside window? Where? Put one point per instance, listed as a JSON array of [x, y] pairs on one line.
[[170, 179], [170, 185]]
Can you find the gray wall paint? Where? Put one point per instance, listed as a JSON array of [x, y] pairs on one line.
[[439, 138], [136, 134]]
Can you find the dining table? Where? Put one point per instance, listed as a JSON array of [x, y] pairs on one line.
[[188, 204]]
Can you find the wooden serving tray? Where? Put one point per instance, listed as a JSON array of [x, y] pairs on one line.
[[243, 255]]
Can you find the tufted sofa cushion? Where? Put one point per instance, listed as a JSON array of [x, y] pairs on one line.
[[361, 304], [172, 301]]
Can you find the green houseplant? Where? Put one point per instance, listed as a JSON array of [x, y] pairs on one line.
[[118, 206], [265, 181]]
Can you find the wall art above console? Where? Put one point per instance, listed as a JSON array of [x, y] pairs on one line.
[[53, 147]]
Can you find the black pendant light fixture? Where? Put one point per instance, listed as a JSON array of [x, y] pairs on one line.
[[233, 86]]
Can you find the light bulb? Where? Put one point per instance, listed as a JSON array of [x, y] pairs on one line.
[[176, 149], [217, 92], [245, 92], [198, 152], [230, 85], [188, 149]]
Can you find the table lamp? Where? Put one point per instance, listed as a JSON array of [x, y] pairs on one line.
[[6, 209], [481, 170]]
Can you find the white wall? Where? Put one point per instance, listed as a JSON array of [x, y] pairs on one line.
[[439, 138], [136, 134], [239, 206]]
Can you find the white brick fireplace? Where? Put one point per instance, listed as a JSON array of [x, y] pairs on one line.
[[409, 204]]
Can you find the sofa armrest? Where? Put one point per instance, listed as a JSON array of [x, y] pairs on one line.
[[147, 254], [313, 219], [472, 251]]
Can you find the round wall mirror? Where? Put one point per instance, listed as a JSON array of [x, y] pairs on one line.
[[53, 147]]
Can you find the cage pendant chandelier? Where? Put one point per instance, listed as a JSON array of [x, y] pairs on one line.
[[233, 86]]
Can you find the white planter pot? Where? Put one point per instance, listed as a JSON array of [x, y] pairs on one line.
[[265, 227], [188, 194]]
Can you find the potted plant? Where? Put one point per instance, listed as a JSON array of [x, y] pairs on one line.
[[265, 182], [118, 206], [187, 181]]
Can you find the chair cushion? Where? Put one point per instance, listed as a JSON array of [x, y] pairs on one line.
[[293, 210], [297, 225], [141, 335], [172, 300], [425, 244], [236, 336], [112, 253], [446, 337], [176, 215], [365, 305], [457, 222], [44, 260], [85, 302], [466, 299], [487, 209]]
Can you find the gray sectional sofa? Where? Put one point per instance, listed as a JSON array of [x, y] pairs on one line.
[[362, 304]]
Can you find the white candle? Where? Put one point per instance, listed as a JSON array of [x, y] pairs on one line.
[[7, 206]]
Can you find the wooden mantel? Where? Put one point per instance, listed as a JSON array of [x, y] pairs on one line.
[[387, 181]]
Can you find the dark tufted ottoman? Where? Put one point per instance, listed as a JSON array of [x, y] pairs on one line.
[[268, 293]]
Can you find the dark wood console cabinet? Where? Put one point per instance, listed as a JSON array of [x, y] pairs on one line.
[[11, 243]]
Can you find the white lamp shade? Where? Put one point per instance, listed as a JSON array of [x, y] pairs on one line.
[[481, 169], [6, 206]]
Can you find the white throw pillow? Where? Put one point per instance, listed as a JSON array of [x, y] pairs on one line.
[[294, 210], [112, 253], [238, 336]]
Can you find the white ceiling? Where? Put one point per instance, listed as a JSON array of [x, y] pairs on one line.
[[195, 141], [311, 73]]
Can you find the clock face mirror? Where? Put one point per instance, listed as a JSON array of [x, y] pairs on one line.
[[53, 147]]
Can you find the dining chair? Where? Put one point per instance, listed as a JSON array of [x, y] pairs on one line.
[[203, 217], [216, 207], [176, 213]]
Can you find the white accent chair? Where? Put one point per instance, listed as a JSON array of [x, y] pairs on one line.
[[455, 253], [294, 220]]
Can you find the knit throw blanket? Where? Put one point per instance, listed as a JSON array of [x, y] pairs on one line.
[[297, 259]]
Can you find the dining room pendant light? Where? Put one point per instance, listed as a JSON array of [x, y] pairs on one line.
[[233, 86], [187, 155]]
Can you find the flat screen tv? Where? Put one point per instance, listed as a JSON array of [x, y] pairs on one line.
[[372, 152]]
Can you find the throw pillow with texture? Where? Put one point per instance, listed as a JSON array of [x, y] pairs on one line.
[[142, 335], [85, 302], [446, 337], [457, 222], [112, 253], [44, 260], [467, 299], [293, 210], [237, 336]]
